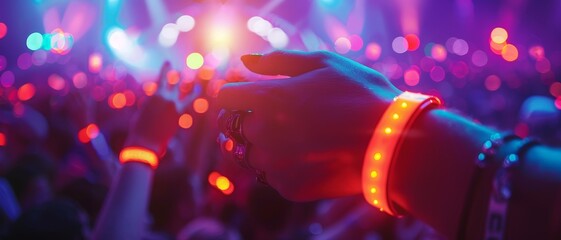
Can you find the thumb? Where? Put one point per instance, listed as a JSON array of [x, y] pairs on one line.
[[287, 63]]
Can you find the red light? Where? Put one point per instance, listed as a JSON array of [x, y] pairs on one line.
[[2, 139], [26, 91], [3, 30], [413, 42]]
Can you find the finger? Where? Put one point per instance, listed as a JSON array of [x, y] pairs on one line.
[[288, 63], [163, 78], [241, 96]]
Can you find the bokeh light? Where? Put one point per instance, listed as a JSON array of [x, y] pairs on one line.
[[200, 105], [80, 80], [185, 23], [277, 38], [400, 45], [2, 139], [34, 41], [555, 89], [373, 51], [195, 61], [460, 47], [3, 30], [411, 77], [356, 42], [185, 121], [437, 73], [149, 88], [7, 79], [95, 62], [56, 82], [24, 61], [492, 82], [342, 45], [509, 53], [92, 131], [413, 42], [438, 52], [499, 35], [26, 92], [117, 100], [479, 58], [536, 52]]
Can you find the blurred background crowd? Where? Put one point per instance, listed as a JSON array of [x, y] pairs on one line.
[[73, 73]]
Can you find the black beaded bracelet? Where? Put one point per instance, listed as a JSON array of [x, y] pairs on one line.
[[486, 157], [496, 217]]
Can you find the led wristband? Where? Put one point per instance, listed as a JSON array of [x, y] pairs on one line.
[[139, 154], [385, 143]]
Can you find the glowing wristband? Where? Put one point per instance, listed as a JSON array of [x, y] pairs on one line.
[[139, 154], [385, 143]]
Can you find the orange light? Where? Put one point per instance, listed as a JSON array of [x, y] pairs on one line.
[[139, 154], [509, 53], [26, 92], [200, 105], [185, 121], [212, 178], [499, 35], [229, 145], [149, 88], [95, 62], [496, 48], [376, 174], [92, 131], [173, 77], [117, 100], [2, 139], [206, 73]]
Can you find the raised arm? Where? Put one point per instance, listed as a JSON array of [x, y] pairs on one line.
[[308, 134]]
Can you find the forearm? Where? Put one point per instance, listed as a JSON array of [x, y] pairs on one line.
[[434, 168], [124, 211], [435, 180]]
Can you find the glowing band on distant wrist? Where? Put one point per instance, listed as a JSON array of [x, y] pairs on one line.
[[385, 143], [139, 154]]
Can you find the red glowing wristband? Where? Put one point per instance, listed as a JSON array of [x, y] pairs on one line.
[[385, 143], [139, 154]]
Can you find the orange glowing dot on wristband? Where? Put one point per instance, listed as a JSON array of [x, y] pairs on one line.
[[388, 130], [373, 190], [139, 154], [376, 202], [404, 105], [395, 116], [373, 174], [377, 156]]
